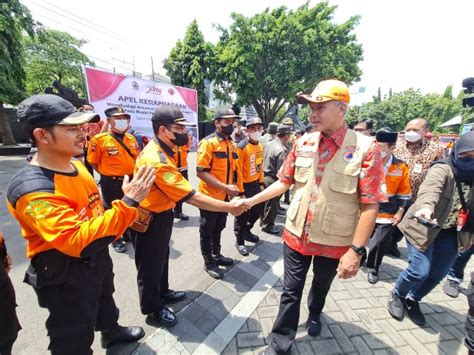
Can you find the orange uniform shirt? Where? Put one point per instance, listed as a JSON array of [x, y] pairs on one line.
[[170, 186], [109, 155], [63, 211], [218, 156], [251, 161], [180, 157]]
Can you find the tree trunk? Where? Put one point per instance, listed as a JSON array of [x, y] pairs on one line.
[[5, 129]]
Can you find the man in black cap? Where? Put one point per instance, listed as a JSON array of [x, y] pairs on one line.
[[273, 158], [67, 230], [113, 154], [152, 242], [251, 165], [397, 188], [219, 172]]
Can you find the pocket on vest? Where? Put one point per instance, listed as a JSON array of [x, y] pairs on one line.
[[302, 168], [338, 220], [295, 204]]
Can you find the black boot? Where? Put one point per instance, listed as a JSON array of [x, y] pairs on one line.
[[211, 268]]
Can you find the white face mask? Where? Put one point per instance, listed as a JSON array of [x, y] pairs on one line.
[[255, 136], [412, 136], [383, 153], [121, 125]]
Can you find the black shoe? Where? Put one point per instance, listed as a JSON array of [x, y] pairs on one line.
[[413, 311], [119, 246], [250, 237], [393, 251], [164, 318], [120, 334], [173, 296], [451, 288], [272, 230], [181, 216], [213, 271], [242, 249], [222, 260], [373, 277], [314, 325], [395, 306]]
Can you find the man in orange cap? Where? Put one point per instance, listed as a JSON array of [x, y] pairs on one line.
[[337, 176]]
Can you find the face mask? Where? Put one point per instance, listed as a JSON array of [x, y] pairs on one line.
[[383, 154], [255, 136], [465, 169], [227, 130], [180, 139], [121, 125], [412, 136]]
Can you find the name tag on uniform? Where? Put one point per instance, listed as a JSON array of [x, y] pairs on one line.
[[417, 169], [306, 151]]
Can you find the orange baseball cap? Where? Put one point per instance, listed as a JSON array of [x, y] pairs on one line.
[[327, 90]]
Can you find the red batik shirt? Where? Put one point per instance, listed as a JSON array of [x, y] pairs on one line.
[[371, 179]]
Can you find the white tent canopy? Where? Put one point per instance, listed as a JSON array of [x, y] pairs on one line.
[[455, 121]]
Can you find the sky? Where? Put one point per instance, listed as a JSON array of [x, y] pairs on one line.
[[419, 44]]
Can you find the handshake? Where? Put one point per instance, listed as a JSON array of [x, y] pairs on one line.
[[238, 205]]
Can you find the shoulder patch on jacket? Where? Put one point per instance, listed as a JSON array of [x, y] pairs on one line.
[[27, 180]]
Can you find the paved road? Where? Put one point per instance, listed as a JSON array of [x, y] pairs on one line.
[[186, 272]]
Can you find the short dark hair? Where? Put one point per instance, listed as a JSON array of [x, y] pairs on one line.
[[368, 123], [156, 126]]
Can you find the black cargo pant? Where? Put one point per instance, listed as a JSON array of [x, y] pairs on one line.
[[79, 304], [270, 209], [244, 223], [152, 253], [9, 325], [179, 205], [211, 226], [111, 188], [296, 267], [379, 243]]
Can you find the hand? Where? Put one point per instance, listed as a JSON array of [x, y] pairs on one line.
[[238, 206], [138, 188], [426, 213], [231, 190], [9, 265], [397, 218], [348, 265]]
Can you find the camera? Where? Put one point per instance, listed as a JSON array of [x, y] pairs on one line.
[[468, 85]]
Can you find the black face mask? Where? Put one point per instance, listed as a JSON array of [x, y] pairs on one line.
[[180, 139], [227, 130]]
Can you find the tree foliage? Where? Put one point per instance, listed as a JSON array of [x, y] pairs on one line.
[[396, 110], [269, 58], [15, 19], [189, 64], [54, 55]]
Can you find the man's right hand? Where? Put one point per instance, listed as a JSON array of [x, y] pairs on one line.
[[138, 188], [231, 190]]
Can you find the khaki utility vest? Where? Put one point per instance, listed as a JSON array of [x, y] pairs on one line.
[[337, 205]]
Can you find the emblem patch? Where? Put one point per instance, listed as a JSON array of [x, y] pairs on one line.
[[169, 178], [39, 209], [350, 156]]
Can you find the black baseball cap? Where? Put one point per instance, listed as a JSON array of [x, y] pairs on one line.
[[225, 113], [166, 114], [40, 111], [116, 111]]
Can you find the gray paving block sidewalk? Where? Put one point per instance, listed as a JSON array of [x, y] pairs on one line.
[[355, 320]]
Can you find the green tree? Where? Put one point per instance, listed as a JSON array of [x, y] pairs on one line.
[[189, 64], [269, 58], [15, 19], [54, 55]]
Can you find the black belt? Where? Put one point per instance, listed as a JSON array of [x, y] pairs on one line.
[[113, 177]]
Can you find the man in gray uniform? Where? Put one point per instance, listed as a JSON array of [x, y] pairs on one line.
[[274, 155], [270, 135]]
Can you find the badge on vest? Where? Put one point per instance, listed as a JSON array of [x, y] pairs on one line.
[[350, 155]]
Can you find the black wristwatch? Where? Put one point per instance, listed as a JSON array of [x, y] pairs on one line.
[[359, 250]]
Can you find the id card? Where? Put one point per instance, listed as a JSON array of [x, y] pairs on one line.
[[417, 168]]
